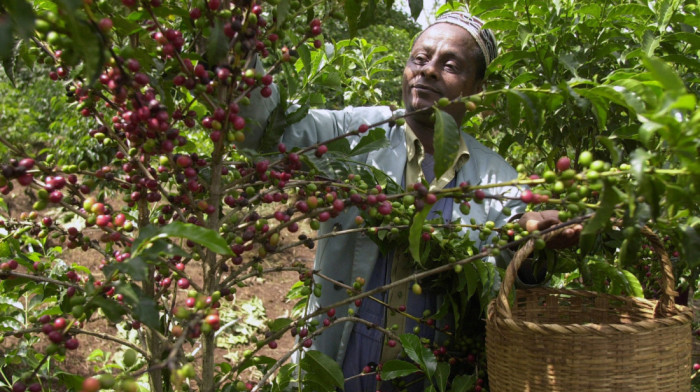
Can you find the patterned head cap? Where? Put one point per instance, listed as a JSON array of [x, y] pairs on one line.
[[484, 38]]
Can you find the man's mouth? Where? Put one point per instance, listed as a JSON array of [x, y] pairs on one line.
[[423, 88]]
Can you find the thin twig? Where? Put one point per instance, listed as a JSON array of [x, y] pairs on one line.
[[110, 338], [37, 278], [297, 346]]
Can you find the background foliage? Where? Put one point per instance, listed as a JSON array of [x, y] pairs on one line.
[[619, 79]]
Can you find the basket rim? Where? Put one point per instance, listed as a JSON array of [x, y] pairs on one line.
[[683, 315], [664, 311]]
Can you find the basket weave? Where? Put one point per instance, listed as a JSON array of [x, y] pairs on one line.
[[575, 340]]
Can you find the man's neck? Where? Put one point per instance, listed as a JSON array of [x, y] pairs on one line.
[[424, 133]]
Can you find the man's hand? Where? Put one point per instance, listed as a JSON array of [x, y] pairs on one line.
[[541, 220]]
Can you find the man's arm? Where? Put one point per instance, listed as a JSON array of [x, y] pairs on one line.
[[317, 126], [258, 112]]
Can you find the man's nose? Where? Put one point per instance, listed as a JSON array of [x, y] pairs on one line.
[[429, 69]]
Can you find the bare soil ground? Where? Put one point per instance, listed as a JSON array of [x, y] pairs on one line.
[[271, 291]]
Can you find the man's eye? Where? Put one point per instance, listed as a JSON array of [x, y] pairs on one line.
[[420, 59]]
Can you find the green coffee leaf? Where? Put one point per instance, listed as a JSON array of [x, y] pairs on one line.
[[396, 368], [352, 12], [146, 311], [416, 6], [282, 11], [441, 374], [663, 73], [284, 377], [135, 267], [22, 15], [514, 99], [322, 370], [305, 57], [279, 324], [217, 45], [340, 146], [470, 272], [609, 198], [415, 233], [200, 235], [111, 309], [422, 356], [463, 383], [374, 140], [257, 361], [445, 142], [691, 244], [633, 285]]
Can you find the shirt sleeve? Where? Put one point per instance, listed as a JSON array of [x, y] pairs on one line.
[[317, 126], [258, 111]]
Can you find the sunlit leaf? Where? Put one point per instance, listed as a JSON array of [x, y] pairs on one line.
[[635, 288], [664, 74], [305, 57], [629, 10]]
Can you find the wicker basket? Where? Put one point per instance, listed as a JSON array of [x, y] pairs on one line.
[[575, 340]]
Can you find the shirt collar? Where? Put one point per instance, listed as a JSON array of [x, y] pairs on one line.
[[414, 148], [413, 145]]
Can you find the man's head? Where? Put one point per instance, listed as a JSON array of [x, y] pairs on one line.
[[448, 59]]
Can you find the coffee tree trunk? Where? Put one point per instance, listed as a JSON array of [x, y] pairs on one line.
[[153, 342], [209, 266]]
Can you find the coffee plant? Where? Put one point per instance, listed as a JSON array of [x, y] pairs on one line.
[[186, 192]]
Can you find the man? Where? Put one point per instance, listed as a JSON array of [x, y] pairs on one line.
[[448, 59]]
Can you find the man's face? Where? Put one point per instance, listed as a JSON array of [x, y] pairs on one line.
[[441, 64]]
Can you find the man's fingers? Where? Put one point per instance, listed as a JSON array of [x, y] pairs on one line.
[[534, 224], [567, 238], [542, 220], [530, 215], [547, 223], [550, 215]]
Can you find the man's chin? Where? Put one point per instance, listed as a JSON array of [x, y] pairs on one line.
[[420, 104]]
